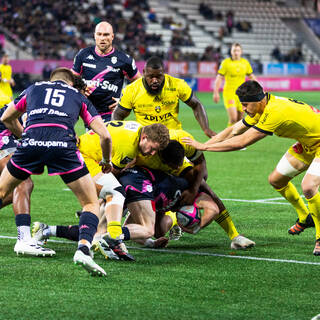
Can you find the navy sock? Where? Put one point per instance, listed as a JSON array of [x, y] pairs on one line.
[[68, 232], [87, 226], [23, 219], [126, 233]]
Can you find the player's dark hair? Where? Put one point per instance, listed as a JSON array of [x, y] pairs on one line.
[[79, 83], [236, 44], [62, 74], [173, 153], [157, 132], [154, 62], [250, 91]]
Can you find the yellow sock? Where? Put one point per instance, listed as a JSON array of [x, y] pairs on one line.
[[314, 207], [173, 217], [290, 193], [114, 229], [226, 223]]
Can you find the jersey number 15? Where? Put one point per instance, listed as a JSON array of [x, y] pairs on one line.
[[55, 97]]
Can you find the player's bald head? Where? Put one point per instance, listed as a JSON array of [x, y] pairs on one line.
[[103, 27]]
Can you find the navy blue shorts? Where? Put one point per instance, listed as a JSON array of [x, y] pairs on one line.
[[147, 184], [61, 157]]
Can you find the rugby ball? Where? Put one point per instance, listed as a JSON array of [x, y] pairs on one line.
[[189, 216]]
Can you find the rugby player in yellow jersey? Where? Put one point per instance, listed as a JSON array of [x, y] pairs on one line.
[[6, 80], [268, 114], [154, 98], [234, 71], [143, 222]]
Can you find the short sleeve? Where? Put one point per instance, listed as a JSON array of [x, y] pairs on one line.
[[223, 68], [126, 101], [77, 63], [130, 68], [184, 91]]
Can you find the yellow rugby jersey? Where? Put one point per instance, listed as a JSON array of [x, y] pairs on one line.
[[154, 162], [4, 99], [234, 72], [125, 137], [6, 74], [162, 108], [292, 119]]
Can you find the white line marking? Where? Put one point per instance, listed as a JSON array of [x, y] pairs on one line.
[[195, 253], [257, 201]]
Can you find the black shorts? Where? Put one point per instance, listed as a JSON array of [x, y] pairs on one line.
[[59, 156], [147, 184]]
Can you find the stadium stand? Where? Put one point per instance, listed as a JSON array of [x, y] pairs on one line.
[[268, 25], [45, 29]]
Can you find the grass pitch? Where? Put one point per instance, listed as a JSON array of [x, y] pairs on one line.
[[197, 277]]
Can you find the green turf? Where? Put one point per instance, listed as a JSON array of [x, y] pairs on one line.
[[174, 283]]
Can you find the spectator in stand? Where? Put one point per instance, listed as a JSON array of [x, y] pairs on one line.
[[276, 54], [244, 26], [206, 11], [152, 16], [230, 21]]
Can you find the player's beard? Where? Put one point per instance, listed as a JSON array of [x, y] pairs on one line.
[[150, 90]]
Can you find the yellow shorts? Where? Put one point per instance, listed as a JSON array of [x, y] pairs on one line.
[[231, 100], [92, 165], [301, 153]]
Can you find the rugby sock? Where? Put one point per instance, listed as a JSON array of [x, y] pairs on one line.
[[23, 222], [226, 223], [87, 228], [290, 193], [149, 243], [68, 232], [126, 233], [114, 229], [314, 207], [173, 216], [51, 231]]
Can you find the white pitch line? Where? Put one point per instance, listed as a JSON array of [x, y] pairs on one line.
[[263, 201], [196, 253]]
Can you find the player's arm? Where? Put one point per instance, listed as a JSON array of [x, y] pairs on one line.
[[238, 128], [200, 114], [235, 143], [194, 177], [98, 126], [252, 77], [120, 113], [136, 76], [217, 85], [11, 121]]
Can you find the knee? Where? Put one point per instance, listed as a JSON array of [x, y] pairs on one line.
[[309, 188], [149, 231], [273, 180]]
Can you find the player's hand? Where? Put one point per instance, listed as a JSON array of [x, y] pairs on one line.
[[216, 97], [194, 230], [106, 166], [193, 143], [210, 133], [188, 196], [12, 83], [88, 90], [116, 102]]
